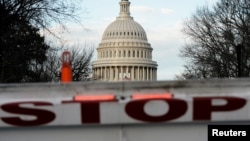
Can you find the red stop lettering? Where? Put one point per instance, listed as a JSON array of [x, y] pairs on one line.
[[177, 108], [90, 111], [203, 108], [42, 116]]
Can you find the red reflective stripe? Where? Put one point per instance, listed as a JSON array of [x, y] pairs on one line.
[[108, 97], [152, 96]]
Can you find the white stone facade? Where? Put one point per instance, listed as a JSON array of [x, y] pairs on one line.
[[124, 52]]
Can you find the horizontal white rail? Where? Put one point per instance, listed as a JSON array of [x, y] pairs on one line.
[[98, 103]]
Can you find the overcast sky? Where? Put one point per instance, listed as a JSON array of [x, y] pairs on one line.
[[161, 19]]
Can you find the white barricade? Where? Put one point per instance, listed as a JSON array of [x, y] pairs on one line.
[[124, 102]]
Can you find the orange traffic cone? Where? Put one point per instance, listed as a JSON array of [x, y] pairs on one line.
[[66, 72]]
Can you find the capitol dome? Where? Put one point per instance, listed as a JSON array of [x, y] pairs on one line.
[[124, 29], [124, 52]]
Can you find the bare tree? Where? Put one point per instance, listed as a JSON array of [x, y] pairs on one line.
[[50, 70], [211, 51], [81, 63], [21, 43], [41, 13]]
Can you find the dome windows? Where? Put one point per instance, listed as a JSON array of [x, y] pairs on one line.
[[125, 35], [125, 53]]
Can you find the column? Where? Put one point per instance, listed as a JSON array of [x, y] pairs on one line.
[[99, 72], [96, 76], [111, 73], [151, 73], [155, 73], [132, 73], [101, 75], [121, 73], [116, 73], [93, 74], [143, 73], [105, 73], [127, 67], [138, 73], [108, 73]]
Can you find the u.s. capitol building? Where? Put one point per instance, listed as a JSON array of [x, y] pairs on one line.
[[124, 52]]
